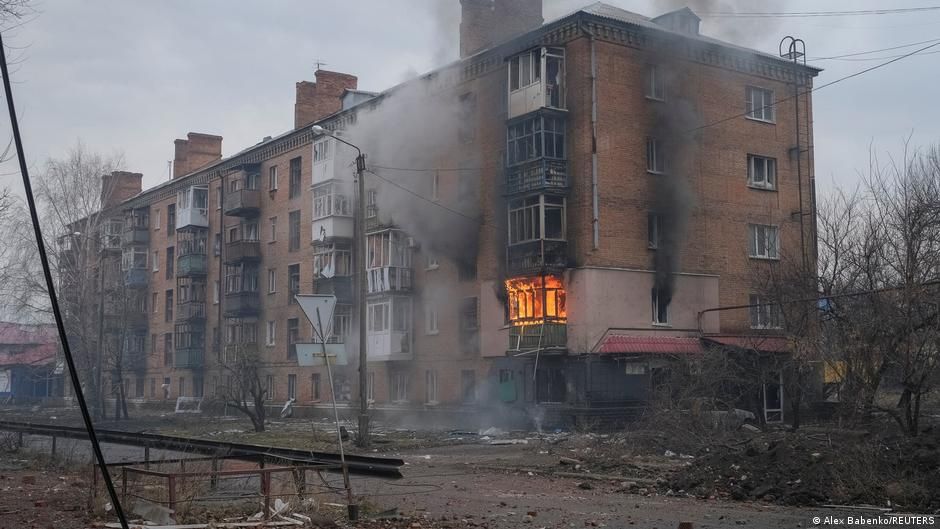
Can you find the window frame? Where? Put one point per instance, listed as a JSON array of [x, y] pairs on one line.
[[658, 311], [654, 230], [767, 184], [767, 312], [655, 156], [272, 178], [654, 85], [431, 319], [765, 108], [753, 235], [529, 217], [295, 178]]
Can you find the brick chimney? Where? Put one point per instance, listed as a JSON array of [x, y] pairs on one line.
[[196, 151], [317, 100], [118, 187], [485, 23]]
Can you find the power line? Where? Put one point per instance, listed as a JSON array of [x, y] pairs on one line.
[[422, 197], [807, 14], [874, 51], [814, 89], [430, 169], [861, 59]]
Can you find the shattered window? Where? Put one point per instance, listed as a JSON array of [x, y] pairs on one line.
[[536, 299]]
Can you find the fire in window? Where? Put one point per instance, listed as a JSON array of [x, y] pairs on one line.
[[536, 299]]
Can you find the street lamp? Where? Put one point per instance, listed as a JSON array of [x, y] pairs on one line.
[[363, 440]]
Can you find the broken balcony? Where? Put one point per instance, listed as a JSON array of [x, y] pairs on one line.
[[537, 175], [538, 336], [243, 203], [339, 286], [389, 279], [537, 256]]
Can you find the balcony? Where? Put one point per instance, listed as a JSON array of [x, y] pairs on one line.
[[537, 256], [537, 175], [341, 287], [189, 358], [389, 279], [390, 346], [241, 251], [136, 235], [137, 319], [191, 311], [243, 203], [242, 304], [191, 265], [538, 336], [135, 278], [134, 359], [329, 228], [537, 80], [234, 350]]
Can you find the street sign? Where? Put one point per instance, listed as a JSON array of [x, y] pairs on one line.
[[311, 304], [311, 354]]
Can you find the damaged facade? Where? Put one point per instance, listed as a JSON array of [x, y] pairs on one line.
[[555, 251]]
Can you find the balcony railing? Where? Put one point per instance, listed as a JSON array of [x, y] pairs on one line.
[[539, 336], [190, 311], [191, 265], [341, 287], [389, 279], [537, 256], [189, 358], [135, 278], [537, 175], [242, 303], [136, 235], [244, 250], [243, 203]]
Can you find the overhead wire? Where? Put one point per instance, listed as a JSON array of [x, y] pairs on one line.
[[809, 14], [873, 51], [422, 197]]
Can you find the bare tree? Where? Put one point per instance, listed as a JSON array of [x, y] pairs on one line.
[[244, 389]]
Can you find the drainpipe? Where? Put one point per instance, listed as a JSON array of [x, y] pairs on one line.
[[595, 220]]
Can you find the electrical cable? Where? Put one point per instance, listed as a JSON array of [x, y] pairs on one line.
[[814, 89], [873, 51], [53, 300], [807, 14], [430, 169], [422, 197]]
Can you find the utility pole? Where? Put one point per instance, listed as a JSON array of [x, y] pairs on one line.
[[363, 440]]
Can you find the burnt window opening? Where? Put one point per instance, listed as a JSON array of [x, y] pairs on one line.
[[168, 306], [315, 386], [654, 230], [761, 172], [551, 385], [660, 306], [170, 260], [293, 225], [536, 299]]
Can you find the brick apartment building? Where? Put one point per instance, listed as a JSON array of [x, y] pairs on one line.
[[614, 201]]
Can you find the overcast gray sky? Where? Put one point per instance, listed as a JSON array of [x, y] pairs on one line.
[[131, 76]]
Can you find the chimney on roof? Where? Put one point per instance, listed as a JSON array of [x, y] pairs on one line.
[[196, 151], [682, 21], [485, 23], [118, 187], [317, 100]]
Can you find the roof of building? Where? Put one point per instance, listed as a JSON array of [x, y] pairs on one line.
[[615, 342], [27, 345]]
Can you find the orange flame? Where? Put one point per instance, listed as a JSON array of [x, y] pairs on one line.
[[533, 299]]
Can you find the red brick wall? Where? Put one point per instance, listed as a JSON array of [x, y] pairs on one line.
[[319, 99]]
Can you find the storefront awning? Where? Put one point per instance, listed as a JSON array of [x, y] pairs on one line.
[[617, 343]]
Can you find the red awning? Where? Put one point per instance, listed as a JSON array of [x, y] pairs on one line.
[[616, 343], [769, 344]]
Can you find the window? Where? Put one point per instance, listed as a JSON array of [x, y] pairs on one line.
[[218, 197], [430, 318], [251, 180], [293, 282], [217, 244], [536, 217], [328, 201], [378, 317], [293, 221], [171, 218], [466, 269], [272, 233], [388, 248], [168, 309], [182, 387], [655, 87], [654, 229], [655, 162], [153, 303], [398, 387], [272, 280], [293, 336], [198, 386], [291, 386], [660, 306], [270, 335], [430, 386], [535, 137], [469, 314], [342, 323], [761, 172], [153, 344], [153, 388], [759, 104], [536, 299], [168, 349], [763, 241], [294, 183], [241, 278], [431, 262], [156, 260], [272, 178], [269, 387], [372, 208], [321, 151], [315, 387], [156, 219], [331, 261], [525, 69], [764, 315], [134, 258], [170, 258], [215, 292]]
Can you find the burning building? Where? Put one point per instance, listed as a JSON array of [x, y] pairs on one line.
[[547, 220]]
